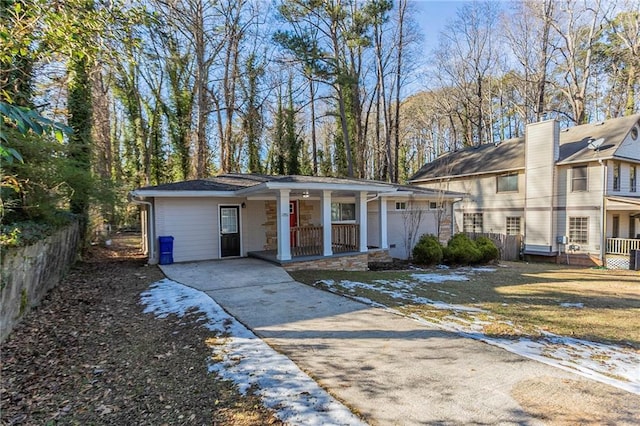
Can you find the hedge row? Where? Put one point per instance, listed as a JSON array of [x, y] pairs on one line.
[[460, 250]]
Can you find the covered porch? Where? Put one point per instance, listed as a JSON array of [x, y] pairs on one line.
[[622, 230], [309, 220]]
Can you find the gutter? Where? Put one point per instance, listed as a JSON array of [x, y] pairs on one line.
[[150, 225]]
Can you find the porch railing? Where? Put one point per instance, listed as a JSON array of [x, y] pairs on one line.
[[622, 246], [345, 237], [306, 240]]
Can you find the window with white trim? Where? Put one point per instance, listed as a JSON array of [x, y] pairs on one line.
[[401, 205], [472, 222], [507, 182], [579, 178], [513, 225], [616, 176], [433, 205], [579, 230], [633, 178], [343, 212]]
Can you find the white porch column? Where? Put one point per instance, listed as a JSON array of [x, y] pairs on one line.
[[325, 214], [382, 222], [361, 211], [284, 234]]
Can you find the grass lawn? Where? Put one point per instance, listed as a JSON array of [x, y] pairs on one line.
[[516, 299]]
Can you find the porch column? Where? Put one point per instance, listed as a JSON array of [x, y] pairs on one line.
[[325, 213], [284, 234], [382, 222], [361, 210]]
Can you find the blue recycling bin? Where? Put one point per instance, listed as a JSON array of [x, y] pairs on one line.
[[166, 250]]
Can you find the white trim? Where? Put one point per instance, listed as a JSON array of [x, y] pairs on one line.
[[352, 187], [282, 224], [182, 193], [325, 217], [361, 213]]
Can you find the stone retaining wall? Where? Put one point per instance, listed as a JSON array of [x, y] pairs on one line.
[[28, 273]]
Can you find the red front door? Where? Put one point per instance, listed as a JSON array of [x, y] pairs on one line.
[[293, 221]]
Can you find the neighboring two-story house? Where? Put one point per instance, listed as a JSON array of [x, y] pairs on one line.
[[573, 193]]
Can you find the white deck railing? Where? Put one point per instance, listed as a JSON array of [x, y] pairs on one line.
[[622, 246]]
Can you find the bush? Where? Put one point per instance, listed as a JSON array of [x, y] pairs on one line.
[[461, 250], [428, 250], [488, 249]]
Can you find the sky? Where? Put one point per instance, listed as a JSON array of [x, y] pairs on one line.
[[433, 16]]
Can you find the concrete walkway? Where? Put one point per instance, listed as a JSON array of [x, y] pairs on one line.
[[393, 370]]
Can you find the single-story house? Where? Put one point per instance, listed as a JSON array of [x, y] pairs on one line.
[[331, 222], [573, 194]]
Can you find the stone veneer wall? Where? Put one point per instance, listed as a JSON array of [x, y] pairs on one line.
[[379, 255], [270, 226], [28, 273], [354, 262], [305, 216]]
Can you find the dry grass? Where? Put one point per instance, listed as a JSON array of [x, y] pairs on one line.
[[525, 299]]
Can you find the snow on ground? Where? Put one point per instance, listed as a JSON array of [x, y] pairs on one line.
[[611, 364], [248, 361], [572, 305]]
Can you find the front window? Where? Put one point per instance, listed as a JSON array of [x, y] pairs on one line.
[[579, 230], [472, 222], [513, 225], [579, 178], [616, 176], [401, 205], [508, 182], [633, 179], [343, 212]]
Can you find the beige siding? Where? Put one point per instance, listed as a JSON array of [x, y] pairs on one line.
[[630, 148], [253, 226], [193, 223], [396, 229], [541, 153], [484, 198]]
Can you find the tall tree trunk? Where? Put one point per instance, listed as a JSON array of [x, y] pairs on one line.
[[80, 118], [314, 143], [402, 10]]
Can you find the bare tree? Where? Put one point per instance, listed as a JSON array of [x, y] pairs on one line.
[[578, 25], [530, 42], [412, 218]]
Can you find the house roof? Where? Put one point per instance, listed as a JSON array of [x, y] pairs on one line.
[[509, 154], [238, 184]]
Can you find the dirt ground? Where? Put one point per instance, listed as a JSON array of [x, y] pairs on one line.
[[89, 355]]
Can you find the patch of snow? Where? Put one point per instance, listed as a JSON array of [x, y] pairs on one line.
[[442, 267], [399, 290], [483, 269], [248, 361], [439, 278], [572, 305]]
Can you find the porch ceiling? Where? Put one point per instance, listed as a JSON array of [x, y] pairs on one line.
[[631, 204]]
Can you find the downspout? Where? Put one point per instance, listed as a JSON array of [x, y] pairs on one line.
[[603, 214], [150, 226]]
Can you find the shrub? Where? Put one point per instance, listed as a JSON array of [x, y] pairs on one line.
[[428, 250], [488, 249], [461, 250]]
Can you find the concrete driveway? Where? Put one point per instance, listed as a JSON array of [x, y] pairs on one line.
[[393, 370]]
